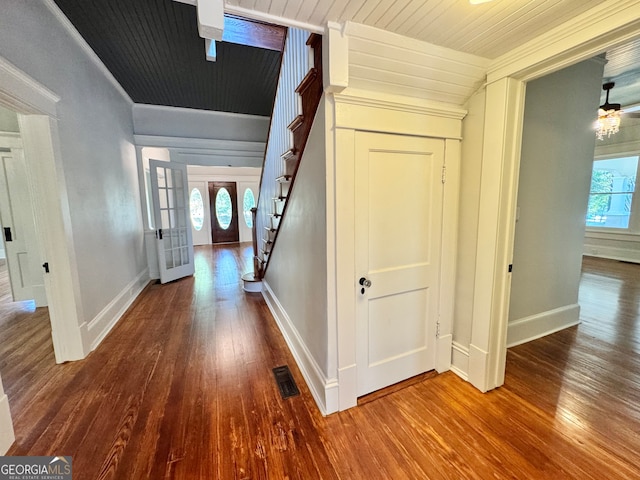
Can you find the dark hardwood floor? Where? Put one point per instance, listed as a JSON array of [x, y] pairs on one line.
[[182, 389]]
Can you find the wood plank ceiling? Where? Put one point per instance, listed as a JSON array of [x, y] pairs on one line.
[[153, 49], [487, 30]]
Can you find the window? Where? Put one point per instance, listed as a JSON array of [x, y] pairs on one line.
[[248, 202], [196, 206], [613, 184], [223, 208]]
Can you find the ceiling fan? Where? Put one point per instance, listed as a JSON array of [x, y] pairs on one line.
[[630, 112]]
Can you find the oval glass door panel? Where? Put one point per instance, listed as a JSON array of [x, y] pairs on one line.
[[223, 208], [248, 202], [196, 207]]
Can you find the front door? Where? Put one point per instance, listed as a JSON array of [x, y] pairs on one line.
[[223, 200], [398, 230], [169, 187]]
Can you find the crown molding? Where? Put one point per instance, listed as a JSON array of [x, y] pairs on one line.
[[588, 34], [229, 146], [68, 26], [20, 92], [352, 96]]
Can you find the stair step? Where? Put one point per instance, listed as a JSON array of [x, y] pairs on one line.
[[307, 81], [250, 283], [283, 179], [296, 123], [271, 229], [264, 253], [267, 241], [279, 198], [275, 215], [288, 155]]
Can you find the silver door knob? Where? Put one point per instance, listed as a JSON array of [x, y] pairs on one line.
[[365, 282]]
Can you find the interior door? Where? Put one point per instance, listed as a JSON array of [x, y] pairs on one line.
[[223, 199], [19, 234], [398, 205], [169, 187]]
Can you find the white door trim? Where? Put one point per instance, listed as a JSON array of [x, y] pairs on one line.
[[348, 113], [36, 107], [589, 34]]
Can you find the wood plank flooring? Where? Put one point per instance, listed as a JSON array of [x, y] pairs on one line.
[[182, 389]]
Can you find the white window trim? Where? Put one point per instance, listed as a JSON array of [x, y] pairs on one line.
[[634, 218]]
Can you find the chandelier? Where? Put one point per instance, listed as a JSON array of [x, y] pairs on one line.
[[608, 122]]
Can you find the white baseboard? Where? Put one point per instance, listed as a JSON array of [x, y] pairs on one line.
[[443, 353], [631, 254], [460, 360], [536, 326], [98, 328], [325, 391], [7, 436]]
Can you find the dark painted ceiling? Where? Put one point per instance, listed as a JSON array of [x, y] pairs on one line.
[[153, 49]]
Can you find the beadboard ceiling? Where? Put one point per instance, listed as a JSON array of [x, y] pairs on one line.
[[487, 30], [153, 50], [623, 68]]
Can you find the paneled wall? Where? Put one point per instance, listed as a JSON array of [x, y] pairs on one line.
[[294, 67]]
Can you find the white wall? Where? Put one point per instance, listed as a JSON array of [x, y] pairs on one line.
[[472, 137], [297, 274], [198, 137], [191, 123], [97, 157], [287, 104], [8, 121], [555, 174]]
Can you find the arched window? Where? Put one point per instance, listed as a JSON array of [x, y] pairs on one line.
[[223, 208]]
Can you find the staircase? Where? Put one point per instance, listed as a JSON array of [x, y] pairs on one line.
[[279, 171]]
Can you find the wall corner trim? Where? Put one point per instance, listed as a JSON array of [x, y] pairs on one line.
[[324, 390], [444, 352], [7, 436], [68, 26], [478, 368]]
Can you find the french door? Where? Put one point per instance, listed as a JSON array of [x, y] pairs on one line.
[[169, 187]]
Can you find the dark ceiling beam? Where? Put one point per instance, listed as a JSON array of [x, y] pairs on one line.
[[253, 33]]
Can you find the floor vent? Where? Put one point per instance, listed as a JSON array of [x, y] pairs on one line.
[[286, 384]]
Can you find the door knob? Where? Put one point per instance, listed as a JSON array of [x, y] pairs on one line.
[[365, 282]]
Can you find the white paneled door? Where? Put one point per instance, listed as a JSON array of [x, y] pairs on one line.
[[169, 187], [16, 214], [398, 232]]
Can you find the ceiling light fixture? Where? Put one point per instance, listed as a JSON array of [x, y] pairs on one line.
[[608, 122]]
